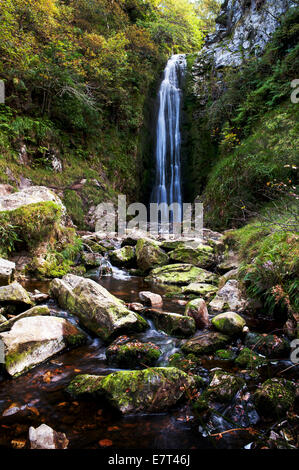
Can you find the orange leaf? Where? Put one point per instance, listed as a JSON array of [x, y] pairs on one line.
[[105, 443]]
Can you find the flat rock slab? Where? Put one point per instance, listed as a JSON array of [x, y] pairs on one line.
[[97, 309], [180, 326], [180, 274], [200, 289], [31, 195], [146, 391], [32, 340], [205, 343], [15, 294]]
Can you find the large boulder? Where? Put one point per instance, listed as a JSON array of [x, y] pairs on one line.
[[123, 257], [32, 340], [197, 309], [96, 308], [149, 255], [32, 312], [15, 297], [197, 255], [45, 437], [180, 274], [173, 324], [275, 397], [31, 195], [229, 323], [132, 354], [229, 298], [147, 391], [7, 269], [205, 343]]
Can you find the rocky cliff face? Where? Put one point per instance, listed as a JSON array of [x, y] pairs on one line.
[[243, 28]]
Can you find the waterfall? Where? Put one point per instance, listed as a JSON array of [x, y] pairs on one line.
[[168, 187]]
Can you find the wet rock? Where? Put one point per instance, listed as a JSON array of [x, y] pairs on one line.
[[32, 312], [136, 307], [200, 289], [127, 353], [173, 324], [233, 274], [124, 256], [91, 260], [188, 363], [39, 297], [149, 255], [200, 255], [229, 323], [2, 319], [275, 397], [15, 295], [230, 298], [154, 300], [224, 355], [32, 340], [147, 391], [270, 346], [224, 386], [197, 309], [96, 308], [180, 274], [242, 412], [205, 343], [45, 437], [249, 359], [7, 269]]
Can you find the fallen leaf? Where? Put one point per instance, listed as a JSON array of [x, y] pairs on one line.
[[105, 443]]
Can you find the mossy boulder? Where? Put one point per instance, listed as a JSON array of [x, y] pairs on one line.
[[200, 289], [275, 397], [224, 386], [188, 363], [91, 260], [201, 255], [33, 340], [180, 274], [197, 309], [97, 309], [250, 359], [149, 255], [229, 323], [123, 257], [147, 391], [270, 346], [205, 343], [15, 297], [173, 324], [229, 298], [132, 354], [224, 355]]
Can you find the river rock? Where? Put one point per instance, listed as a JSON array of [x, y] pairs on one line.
[[197, 309], [2, 319], [224, 386], [200, 255], [180, 274], [7, 269], [205, 343], [32, 312], [123, 257], [249, 359], [230, 298], [131, 354], [229, 323], [270, 346], [91, 260], [45, 437], [15, 295], [173, 324], [275, 397], [200, 289], [96, 308], [151, 390], [149, 298], [149, 255], [32, 340]]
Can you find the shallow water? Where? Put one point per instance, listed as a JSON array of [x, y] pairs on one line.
[[38, 396]]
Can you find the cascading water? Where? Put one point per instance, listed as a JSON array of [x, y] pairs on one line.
[[168, 187]]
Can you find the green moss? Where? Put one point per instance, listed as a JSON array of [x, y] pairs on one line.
[[247, 358], [125, 353], [74, 206], [85, 384], [201, 256], [224, 355], [188, 363], [275, 397], [180, 274]]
